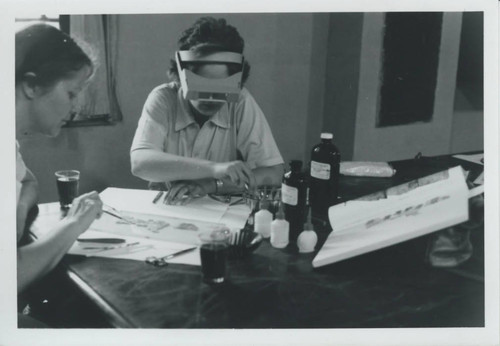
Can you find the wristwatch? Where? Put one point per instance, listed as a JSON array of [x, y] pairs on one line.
[[218, 185]]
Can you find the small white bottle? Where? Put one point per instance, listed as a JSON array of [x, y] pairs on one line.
[[280, 229], [262, 220], [307, 238]]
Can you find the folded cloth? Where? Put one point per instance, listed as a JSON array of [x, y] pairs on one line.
[[366, 169]]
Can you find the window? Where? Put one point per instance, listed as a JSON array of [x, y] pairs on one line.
[[51, 19], [97, 104]]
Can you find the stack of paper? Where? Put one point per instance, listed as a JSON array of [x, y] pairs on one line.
[[396, 215]]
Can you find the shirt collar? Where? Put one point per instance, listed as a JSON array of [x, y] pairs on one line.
[[184, 118]]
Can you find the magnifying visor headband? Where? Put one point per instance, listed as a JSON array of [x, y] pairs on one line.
[[196, 87]]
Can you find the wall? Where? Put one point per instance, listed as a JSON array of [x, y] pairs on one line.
[[288, 86], [343, 88], [342, 79], [468, 119]]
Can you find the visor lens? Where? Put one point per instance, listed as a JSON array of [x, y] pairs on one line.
[[212, 96]]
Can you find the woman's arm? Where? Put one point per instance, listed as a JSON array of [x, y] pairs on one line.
[[27, 199], [38, 258]]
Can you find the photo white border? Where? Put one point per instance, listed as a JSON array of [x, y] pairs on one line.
[[10, 335]]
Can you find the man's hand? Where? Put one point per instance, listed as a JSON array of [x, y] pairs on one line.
[[183, 191], [237, 171]]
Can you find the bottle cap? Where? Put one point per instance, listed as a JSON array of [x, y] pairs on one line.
[[295, 165], [308, 226], [326, 135]]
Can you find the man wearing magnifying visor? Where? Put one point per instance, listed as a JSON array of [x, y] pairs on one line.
[[204, 132]]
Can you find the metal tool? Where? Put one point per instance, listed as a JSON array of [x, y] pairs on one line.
[[162, 261]]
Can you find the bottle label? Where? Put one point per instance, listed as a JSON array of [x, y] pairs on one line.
[[289, 194], [320, 170]]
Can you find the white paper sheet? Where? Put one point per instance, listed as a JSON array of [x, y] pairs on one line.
[[236, 216], [364, 226], [476, 158], [480, 179], [134, 248], [171, 229], [141, 201]]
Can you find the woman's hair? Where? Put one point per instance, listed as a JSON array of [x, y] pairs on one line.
[[209, 35], [50, 54]]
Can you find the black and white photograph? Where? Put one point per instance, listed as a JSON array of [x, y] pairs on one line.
[[256, 174]]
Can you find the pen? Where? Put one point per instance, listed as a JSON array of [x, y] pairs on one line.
[[110, 247], [117, 216], [102, 240], [178, 253], [158, 196]]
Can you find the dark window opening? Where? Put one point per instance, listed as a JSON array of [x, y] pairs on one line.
[[409, 70]]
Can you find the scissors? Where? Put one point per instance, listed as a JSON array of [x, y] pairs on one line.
[[162, 261]]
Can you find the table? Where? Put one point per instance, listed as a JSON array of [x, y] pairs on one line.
[[273, 288]]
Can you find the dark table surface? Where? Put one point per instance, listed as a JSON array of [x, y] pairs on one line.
[[392, 287]]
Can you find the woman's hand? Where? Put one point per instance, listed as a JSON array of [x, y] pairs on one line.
[[237, 171], [85, 209], [183, 191]]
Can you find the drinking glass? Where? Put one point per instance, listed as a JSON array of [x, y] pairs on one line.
[[213, 253], [67, 186]]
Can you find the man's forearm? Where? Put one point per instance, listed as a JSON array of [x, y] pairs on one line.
[[157, 166]]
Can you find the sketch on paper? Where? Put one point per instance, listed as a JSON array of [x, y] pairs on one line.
[[150, 224], [154, 227]]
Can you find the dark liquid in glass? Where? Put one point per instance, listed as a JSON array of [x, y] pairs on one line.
[[68, 190], [213, 262]]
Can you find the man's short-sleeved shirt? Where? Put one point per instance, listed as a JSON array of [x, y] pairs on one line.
[[239, 131]]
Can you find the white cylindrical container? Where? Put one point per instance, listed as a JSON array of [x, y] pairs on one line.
[[280, 229], [307, 241], [262, 221], [307, 238]]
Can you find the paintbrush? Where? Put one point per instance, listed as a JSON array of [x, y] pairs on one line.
[[113, 212]]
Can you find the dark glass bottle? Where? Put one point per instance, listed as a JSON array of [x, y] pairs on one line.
[[293, 196], [324, 176]]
